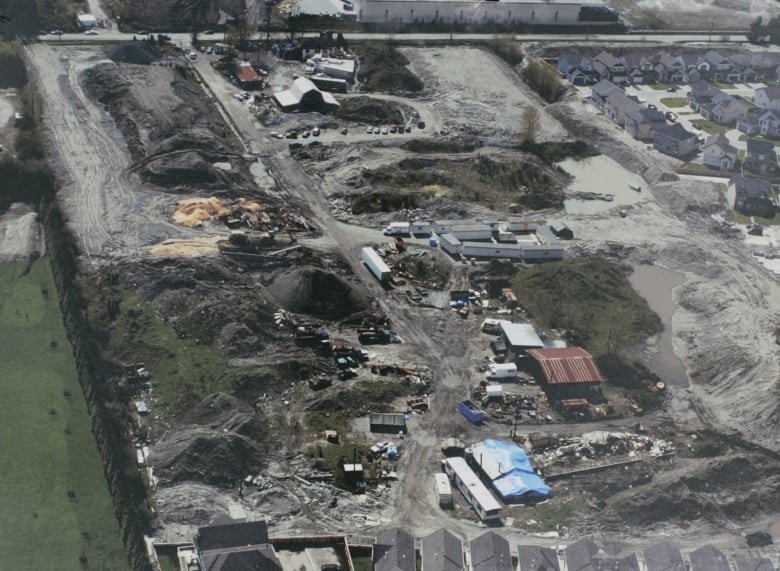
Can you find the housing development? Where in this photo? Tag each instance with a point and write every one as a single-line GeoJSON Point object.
{"type": "Point", "coordinates": [392, 285]}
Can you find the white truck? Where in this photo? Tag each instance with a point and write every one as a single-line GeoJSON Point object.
{"type": "Point", "coordinates": [397, 229]}
{"type": "Point", "coordinates": [375, 264]}
{"type": "Point", "coordinates": [502, 372]}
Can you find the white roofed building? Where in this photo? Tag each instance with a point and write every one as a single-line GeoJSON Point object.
{"type": "Point", "coordinates": [518, 337]}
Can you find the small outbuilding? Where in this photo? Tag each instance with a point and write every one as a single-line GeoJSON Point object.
{"type": "Point", "coordinates": [387, 422]}
{"type": "Point", "coordinates": [561, 231]}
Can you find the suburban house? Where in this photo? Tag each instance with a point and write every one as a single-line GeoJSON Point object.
{"type": "Point", "coordinates": [748, 124]}
{"type": "Point", "coordinates": [720, 68]}
{"type": "Point", "coordinates": [600, 92]}
{"type": "Point", "coordinates": [701, 93]}
{"type": "Point", "coordinates": [227, 544]}
{"type": "Point", "coordinates": [768, 122]}
{"type": "Point", "coordinates": [674, 140]}
{"type": "Point", "coordinates": [760, 157]}
{"type": "Point", "coordinates": [394, 551]}
{"type": "Point", "coordinates": [535, 558]}
{"type": "Point", "coordinates": [753, 196]}
{"type": "Point", "coordinates": [618, 105]}
{"type": "Point", "coordinates": [718, 153]}
{"type": "Point", "coordinates": [726, 109]}
{"type": "Point", "coordinates": [670, 69]}
{"type": "Point", "coordinates": [610, 67]}
{"type": "Point", "coordinates": [490, 552]}
{"type": "Point", "coordinates": [640, 122]}
{"type": "Point", "coordinates": [768, 98]}
{"type": "Point", "coordinates": [577, 69]}
{"type": "Point", "coordinates": [442, 551]}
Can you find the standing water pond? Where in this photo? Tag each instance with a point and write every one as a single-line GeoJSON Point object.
{"type": "Point", "coordinates": [602, 176]}
{"type": "Point", "coordinates": [656, 285]}
{"type": "Point", "coordinates": [55, 509]}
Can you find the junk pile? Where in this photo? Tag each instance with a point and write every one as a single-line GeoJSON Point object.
{"type": "Point", "coordinates": [594, 448]}
{"type": "Point", "coordinates": [507, 408]}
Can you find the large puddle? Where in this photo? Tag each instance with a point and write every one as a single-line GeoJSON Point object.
{"type": "Point", "coordinates": [55, 508]}
{"type": "Point", "coordinates": [602, 176]}
{"type": "Point", "coordinates": [656, 285]}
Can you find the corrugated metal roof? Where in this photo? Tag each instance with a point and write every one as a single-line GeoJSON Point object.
{"type": "Point", "coordinates": [567, 365]}
{"type": "Point", "coordinates": [245, 72]}
{"type": "Point", "coordinates": [521, 335]}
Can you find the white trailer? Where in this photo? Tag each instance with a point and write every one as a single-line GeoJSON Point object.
{"type": "Point", "coordinates": [472, 232]}
{"type": "Point", "coordinates": [492, 326]}
{"type": "Point", "coordinates": [443, 489]}
{"type": "Point", "coordinates": [502, 372]}
{"type": "Point", "coordinates": [397, 229]}
{"type": "Point", "coordinates": [524, 224]}
{"type": "Point", "coordinates": [450, 244]}
{"type": "Point", "coordinates": [376, 264]}
{"type": "Point", "coordinates": [472, 488]}
{"type": "Point", "coordinates": [420, 227]}
{"type": "Point", "coordinates": [507, 237]}
{"type": "Point", "coordinates": [491, 250]}
{"type": "Point", "coordinates": [445, 226]}
{"type": "Point", "coordinates": [539, 252]}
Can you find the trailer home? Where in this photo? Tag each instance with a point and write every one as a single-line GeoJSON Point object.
{"type": "Point", "coordinates": [450, 244]}
{"type": "Point", "coordinates": [491, 250]}
{"type": "Point", "coordinates": [472, 232]}
{"type": "Point", "coordinates": [472, 488]}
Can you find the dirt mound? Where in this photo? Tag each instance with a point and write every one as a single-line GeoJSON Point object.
{"type": "Point", "coordinates": [134, 52]}
{"type": "Point", "coordinates": [318, 293]}
{"type": "Point", "coordinates": [384, 69]}
{"type": "Point", "coordinates": [187, 170]}
{"type": "Point", "coordinates": [178, 14]}
{"type": "Point", "coordinates": [368, 110]}
{"type": "Point", "coordinates": [732, 488]}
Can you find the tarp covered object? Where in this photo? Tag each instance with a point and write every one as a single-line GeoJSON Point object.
{"type": "Point", "coordinates": [509, 469]}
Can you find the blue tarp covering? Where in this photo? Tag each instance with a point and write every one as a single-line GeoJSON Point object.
{"type": "Point", "coordinates": [510, 470]}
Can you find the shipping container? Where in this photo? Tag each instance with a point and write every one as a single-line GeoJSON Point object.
{"type": "Point", "coordinates": [421, 227]}
{"type": "Point", "coordinates": [472, 412]}
{"type": "Point", "coordinates": [376, 264]}
{"type": "Point", "coordinates": [397, 229]}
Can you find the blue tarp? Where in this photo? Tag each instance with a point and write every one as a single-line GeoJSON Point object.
{"type": "Point", "coordinates": [510, 470]}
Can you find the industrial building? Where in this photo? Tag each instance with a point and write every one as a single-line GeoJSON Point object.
{"type": "Point", "coordinates": [507, 467]}
{"type": "Point", "coordinates": [569, 371]}
{"type": "Point", "coordinates": [475, 12]}
{"type": "Point", "coordinates": [518, 338]}
{"type": "Point", "coordinates": [490, 552]}
{"type": "Point", "coordinates": [442, 551]}
{"type": "Point", "coordinates": [304, 95]}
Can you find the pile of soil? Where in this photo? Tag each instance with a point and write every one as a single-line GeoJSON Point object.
{"type": "Point", "coordinates": [368, 110]}
{"type": "Point", "coordinates": [180, 15]}
{"type": "Point", "coordinates": [384, 69]}
{"type": "Point", "coordinates": [318, 293]}
{"type": "Point", "coordinates": [139, 53]}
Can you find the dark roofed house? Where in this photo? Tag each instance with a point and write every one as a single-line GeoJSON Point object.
{"type": "Point", "coordinates": [227, 545]}
{"type": "Point", "coordinates": [600, 92]}
{"type": "Point", "coordinates": [561, 231]}
{"type": "Point", "coordinates": [579, 555]}
{"type": "Point", "coordinates": [746, 563]}
{"type": "Point", "coordinates": [394, 551]}
{"type": "Point", "coordinates": [674, 140]}
{"type": "Point", "coordinates": [490, 552]}
{"type": "Point", "coordinates": [442, 551]}
{"type": "Point", "coordinates": [605, 562]}
{"type": "Point", "coordinates": [640, 123]}
{"type": "Point", "coordinates": [708, 558]}
{"type": "Point", "coordinates": [535, 558]}
{"type": "Point", "coordinates": [760, 157]}
{"type": "Point", "coordinates": [664, 556]}
{"type": "Point", "coordinates": [753, 196]}
{"type": "Point", "coordinates": [618, 105]}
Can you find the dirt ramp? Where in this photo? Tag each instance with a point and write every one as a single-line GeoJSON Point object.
{"type": "Point", "coordinates": [134, 52]}
{"type": "Point", "coordinates": [318, 293]}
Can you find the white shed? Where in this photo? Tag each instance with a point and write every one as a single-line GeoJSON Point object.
{"type": "Point", "coordinates": [443, 489]}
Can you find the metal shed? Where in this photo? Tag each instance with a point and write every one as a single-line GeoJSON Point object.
{"type": "Point", "coordinates": [387, 422]}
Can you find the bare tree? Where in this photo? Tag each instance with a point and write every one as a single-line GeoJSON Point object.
{"type": "Point", "coordinates": [529, 125]}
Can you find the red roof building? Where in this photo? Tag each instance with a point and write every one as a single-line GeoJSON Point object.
{"type": "Point", "coordinates": [568, 365]}
{"type": "Point", "coordinates": [247, 77]}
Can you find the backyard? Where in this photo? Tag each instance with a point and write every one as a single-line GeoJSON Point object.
{"type": "Point", "coordinates": [55, 509]}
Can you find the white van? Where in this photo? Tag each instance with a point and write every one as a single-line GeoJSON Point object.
{"type": "Point", "coordinates": [502, 372]}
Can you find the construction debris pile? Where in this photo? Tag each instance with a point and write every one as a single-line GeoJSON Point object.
{"type": "Point", "coordinates": [506, 408]}
{"type": "Point", "coordinates": [594, 448]}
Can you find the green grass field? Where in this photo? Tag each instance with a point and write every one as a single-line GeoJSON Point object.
{"type": "Point", "coordinates": [674, 102]}
{"type": "Point", "coordinates": [709, 126]}
{"type": "Point", "coordinates": [55, 509]}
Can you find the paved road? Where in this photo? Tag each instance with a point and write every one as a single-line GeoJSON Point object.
{"type": "Point", "coordinates": [184, 38]}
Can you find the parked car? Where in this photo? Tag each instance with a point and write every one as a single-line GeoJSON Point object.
{"type": "Point", "coordinates": [393, 129]}
{"type": "Point", "coordinates": [369, 130]}
{"type": "Point", "coordinates": [344, 130]}
{"type": "Point", "coordinates": [291, 135]}
{"type": "Point", "coordinates": [208, 32]}
{"type": "Point", "coordinates": [296, 145]}
{"type": "Point", "coordinates": [315, 143]}
{"type": "Point", "coordinates": [56, 32]}
{"type": "Point", "coordinates": [315, 132]}
{"type": "Point", "coordinates": [671, 117]}
{"type": "Point", "coordinates": [91, 33]}
{"type": "Point", "coordinates": [652, 107]}
{"type": "Point", "coordinates": [384, 130]}
{"type": "Point", "coordinates": [376, 130]}
{"type": "Point", "coordinates": [672, 89]}
{"type": "Point", "coordinates": [421, 124]}
{"type": "Point", "coordinates": [209, 50]}
{"type": "Point", "coordinates": [305, 134]}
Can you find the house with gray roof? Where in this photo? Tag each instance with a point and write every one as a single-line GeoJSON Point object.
{"type": "Point", "coordinates": [747, 563]}
{"type": "Point", "coordinates": [760, 157]}
{"type": "Point", "coordinates": [600, 92]}
{"type": "Point", "coordinates": [535, 558]}
{"type": "Point", "coordinates": [394, 551]}
{"type": "Point", "coordinates": [768, 97]}
{"type": "Point", "coordinates": [718, 153]}
{"type": "Point", "coordinates": [579, 555]}
{"type": "Point", "coordinates": [490, 552]}
{"type": "Point", "coordinates": [618, 105]}
{"type": "Point", "coordinates": [228, 545]}
{"type": "Point", "coordinates": [753, 196]}
{"type": "Point", "coordinates": [768, 123]}
{"type": "Point", "coordinates": [674, 140]}
{"type": "Point", "coordinates": [442, 551]}
{"type": "Point", "coordinates": [709, 558]}
{"type": "Point", "coordinates": [640, 122]}
{"type": "Point", "coordinates": [664, 556]}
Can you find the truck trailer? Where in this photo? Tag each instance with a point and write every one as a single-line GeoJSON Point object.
{"type": "Point", "coordinates": [376, 265]}
{"type": "Point", "coordinates": [502, 372]}
{"type": "Point", "coordinates": [397, 229]}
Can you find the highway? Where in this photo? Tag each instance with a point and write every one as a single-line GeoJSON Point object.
{"type": "Point", "coordinates": [665, 38]}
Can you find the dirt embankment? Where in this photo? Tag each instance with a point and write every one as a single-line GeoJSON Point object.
{"type": "Point", "coordinates": [176, 140]}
